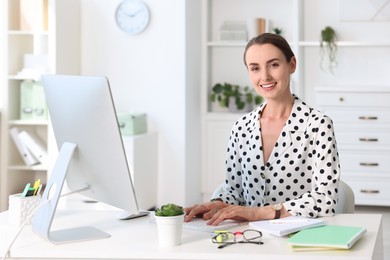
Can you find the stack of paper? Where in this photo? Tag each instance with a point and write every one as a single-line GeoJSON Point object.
{"type": "Point", "coordinates": [285, 226]}
{"type": "Point", "coordinates": [326, 238]}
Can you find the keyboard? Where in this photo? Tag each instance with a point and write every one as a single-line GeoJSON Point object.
{"type": "Point", "coordinates": [200, 224]}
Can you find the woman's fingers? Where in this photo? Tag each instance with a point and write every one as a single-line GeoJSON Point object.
{"type": "Point", "coordinates": [206, 210]}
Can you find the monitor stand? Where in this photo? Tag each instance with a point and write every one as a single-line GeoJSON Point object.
{"type": "Point", "coordinates": [126, 215]}
{"type": "Point", "coordinates": [41, 222]}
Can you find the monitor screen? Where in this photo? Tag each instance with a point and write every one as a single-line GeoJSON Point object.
{"type": "Point", "coordinates": [91, 156]}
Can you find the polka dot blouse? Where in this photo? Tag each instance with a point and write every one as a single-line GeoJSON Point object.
{"type": "Point", "coordinates": [302, 171]}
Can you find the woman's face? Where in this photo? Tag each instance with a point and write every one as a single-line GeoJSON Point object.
{"type": "Point", "coordinates": [269, 71]}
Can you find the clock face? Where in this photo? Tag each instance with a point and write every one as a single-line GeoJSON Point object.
{"type": "Point", "coordinates": [132, 16]}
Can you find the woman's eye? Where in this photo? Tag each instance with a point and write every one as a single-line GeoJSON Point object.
{"type": "Point", "coordinates": [273, 65]}
{"type": "Point", "coordinates": [254, 69]}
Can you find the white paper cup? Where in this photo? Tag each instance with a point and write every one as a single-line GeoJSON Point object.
{"type": "Point", "coordinates": [169, 230]}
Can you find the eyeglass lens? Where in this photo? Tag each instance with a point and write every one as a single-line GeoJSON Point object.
{"type": "Point", "coordinates": [235, 237]}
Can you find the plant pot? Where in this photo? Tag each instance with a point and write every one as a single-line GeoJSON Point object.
{"type": "Point", "coordinates": [233, 107]}
{"type": "Point", "coordinates": [217, 108]}
{"type": "Point", "coordinates": [169, 230]}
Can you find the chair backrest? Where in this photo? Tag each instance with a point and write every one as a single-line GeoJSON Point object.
{"type": "Point", "coordinates": [346, 198]}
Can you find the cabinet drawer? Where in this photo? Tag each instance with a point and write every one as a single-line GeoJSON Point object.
{"type": "Point", "coordinates": [352, 99]}
{"type": "Point", "coordinates": [370, 192]}
{"type": "Point", "coordinates": [365, 162]}
{"type": "Point", "coordinates": [362, 138]}
{"type": "Point", "coordinates": [365, 117]}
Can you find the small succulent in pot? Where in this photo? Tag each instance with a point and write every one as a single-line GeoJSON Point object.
{"type": "Point", "coordinates": [169, 210]}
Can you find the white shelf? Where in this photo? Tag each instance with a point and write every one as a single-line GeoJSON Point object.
{"type": "Point", "coordinates": [232, 44]}
{"type": "Point", "coordinates": [31, 33]}
{"type": "Point", "coordinates": [346, 44]}
{"type": "Point", "coordinates": [222, 116]}
{"type": "Point", "coordinates": [16, 77]}
{"type": "Point", "coordinates": [27, 168]}
{"type": "Point", "coordinates": [226, 44]}
{"type": "Point", "coordinates": [28, 122]}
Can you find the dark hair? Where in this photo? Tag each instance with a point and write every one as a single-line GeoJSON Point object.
{"type": "Point", "coordinates": [274, 39]}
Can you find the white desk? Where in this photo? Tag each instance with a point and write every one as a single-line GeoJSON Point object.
{"type": "Point", "coordinates": [137, 239]}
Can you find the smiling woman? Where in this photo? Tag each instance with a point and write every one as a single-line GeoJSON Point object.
{"type": "Point", "coordinates": [282, 157]}
{"type": "Point", "coordinates": [132, 16]}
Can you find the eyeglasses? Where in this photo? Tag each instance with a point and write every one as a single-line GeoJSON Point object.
{"type": "Point", "coordinates": [249, 236]}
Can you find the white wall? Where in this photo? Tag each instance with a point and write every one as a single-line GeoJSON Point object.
{"type": "Point", "coordinates": [156, 72]}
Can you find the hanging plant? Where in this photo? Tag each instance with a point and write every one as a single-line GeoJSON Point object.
{"type": "Point", "coordinates": [328, 46]}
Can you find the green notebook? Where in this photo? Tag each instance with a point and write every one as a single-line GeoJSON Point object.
{"type": "Point", "coordinates": [326, 237]}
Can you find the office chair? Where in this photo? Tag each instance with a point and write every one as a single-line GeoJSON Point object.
{"type": "Point", "coordinates": [346, 201]}
{"type": "Point", "coordinates": [345, 204]}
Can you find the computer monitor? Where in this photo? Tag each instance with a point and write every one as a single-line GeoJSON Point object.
{"type": "Point", "coordinates": [91, 156]}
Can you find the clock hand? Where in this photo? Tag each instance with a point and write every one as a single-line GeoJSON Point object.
{"type": "Point", "coordinates": [134, 14]}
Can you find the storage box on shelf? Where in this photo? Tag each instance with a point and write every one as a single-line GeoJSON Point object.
{"type": "Point", "coordinates": [361, 116]}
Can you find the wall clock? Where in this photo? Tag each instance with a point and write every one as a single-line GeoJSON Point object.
{"type": "Point", "coordinates": [132, 16]}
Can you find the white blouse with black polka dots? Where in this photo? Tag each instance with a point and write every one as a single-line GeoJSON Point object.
{"type": "Point", "coordinates": [302, 171]}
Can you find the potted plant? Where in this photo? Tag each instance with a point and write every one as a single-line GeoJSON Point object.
{"type": "Point", "coordinates": [169, 210]}
{"type": "Point", "coordinates": [169, 219]}
{"type": "Point", "coordinates": [277, 30]}
{"type": "Point", "coordinates": [328, 45]}
{"type": "Point", "coordinates": [234, 97]}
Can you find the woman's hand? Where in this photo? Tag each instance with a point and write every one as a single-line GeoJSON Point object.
{"type": "Point", "coordinates": [237, 213]}
{"type": "Point", "coordinates": [205, 210]}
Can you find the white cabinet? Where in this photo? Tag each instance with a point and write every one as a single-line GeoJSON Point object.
{"type": "Point", "coordinates": [51, 37]}
{"type": "Point", "coordinates": [141, 152]}
{"type": "Point", "coordinates": [362, 125]}
{"type": "Point", "coordinates": [216, 136]}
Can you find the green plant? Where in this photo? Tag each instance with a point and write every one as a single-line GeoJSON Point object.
{"type": "Point", "coordinates": [278, 30]}
{"type": "Point", "coordinates": [169, 210]}
{"type": "Point", "coordinates": [224, 93]}
{"type": "Point", "coordinates": [328, 45]}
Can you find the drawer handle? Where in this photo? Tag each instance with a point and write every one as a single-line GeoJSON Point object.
{"type": "Point", "coordinates": [368, 139]}
{"type": "Point", "coordinates": [369, 191]}
{"type": "Point", "coordinates": [368, 117]}
{"type": "Point", "coordinates": [341, 99]}
{"type": "Point", "coordinates": [369, 164]}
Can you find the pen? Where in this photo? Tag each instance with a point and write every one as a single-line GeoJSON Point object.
{"type": "Point", "coordinates": [278, 221]}
{"type": "Point", "coordinates": [36, 186]}
{"type": "Point", "coordinates": [39, 189]}
{"type": "Point", "coordinates": [25, 191]}
{"type": "Point", "coordinates": [30, 192]}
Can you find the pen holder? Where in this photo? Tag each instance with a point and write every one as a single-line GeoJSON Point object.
{"type": "Point", "coordinates": [21, 207]}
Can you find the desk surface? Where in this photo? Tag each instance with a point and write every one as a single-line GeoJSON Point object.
{"type": "Point", "coordinates": [137, 239]}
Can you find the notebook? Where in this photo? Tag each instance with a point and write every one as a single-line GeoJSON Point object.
{"type": "Point", "coordinates": [285, 226]}
{"type": "Point", "coordinates": [326, 237]}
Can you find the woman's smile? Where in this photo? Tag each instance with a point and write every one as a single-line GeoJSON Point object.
{"type": "Point", "coordinates": [268, 86]}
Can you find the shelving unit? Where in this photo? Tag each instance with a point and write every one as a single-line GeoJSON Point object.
{"type": "Point", "coordinates": [358, 43]}
{"type": "Point", "coordinates": [14, 173]}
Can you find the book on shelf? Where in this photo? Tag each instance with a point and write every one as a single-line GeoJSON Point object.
{"type": "Point", "coordinates": [25, 153]}
{"type": "Point", "coordinates": [327, 237]}
{"type": "Point", "coordinates": [286, 226]}
{"type": "Point", "coordinates": [35, 145]}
